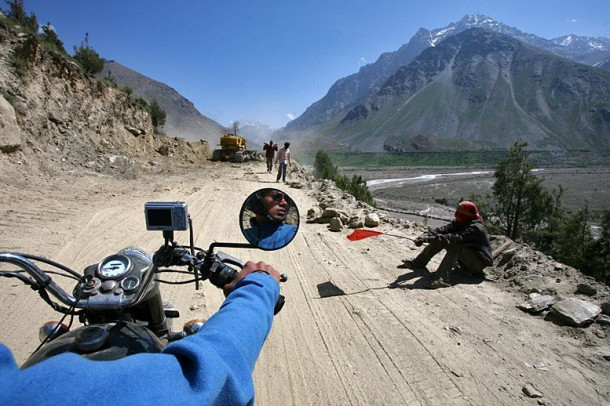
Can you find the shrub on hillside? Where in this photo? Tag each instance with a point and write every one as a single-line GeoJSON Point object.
{"type": "Point", "coordinates": [157, 115]}
{"type": "Point", "coordinates": [16, 12]}
{"type": "Point", "coordinates": [356, 186]}
{"type": "Point", "coordinates": [88, 58]}
{"type": "Point", "coordinates": [50, 39]}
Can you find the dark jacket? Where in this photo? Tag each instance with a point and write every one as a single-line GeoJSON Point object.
{"type": "Point", "coordinates": [472, 235]}
{"type": "Point", "coordinates": [269, 150]}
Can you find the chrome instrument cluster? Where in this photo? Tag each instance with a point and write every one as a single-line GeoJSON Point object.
{"type": "Point", "coordinates": [130, 283]}
{"type": "Point", "coordinates": [114, 267]}
{"type": "Point", "coordinates": [117, 277]}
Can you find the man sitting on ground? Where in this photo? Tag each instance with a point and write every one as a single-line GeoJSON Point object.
{"type": "Point", "coordinates": [465, 240]}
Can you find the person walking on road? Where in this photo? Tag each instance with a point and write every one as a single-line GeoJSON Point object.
{"type": "Point", "coordinates": [465, 240]}
{"type": "Point", "coordinates": [283, 158]}
{"type": "Point", "coordinates": [270, 154]}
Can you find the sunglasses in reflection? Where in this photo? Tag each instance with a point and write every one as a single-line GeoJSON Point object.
{"type": "Point", "coordinates": [277, 196]}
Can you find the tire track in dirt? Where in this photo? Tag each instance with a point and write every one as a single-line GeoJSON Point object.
{"type": "Point", "coordinates": [338, 349]}
{"type": "Point", "coordinates": [351, 303]}
{"type": "Point", "coordinates": [286, 362]}
{"type": "Point", "coordinates": [447, 345]}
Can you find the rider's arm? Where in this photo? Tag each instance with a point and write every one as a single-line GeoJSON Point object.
{"type": "Point", "coordinates": [213, 366]}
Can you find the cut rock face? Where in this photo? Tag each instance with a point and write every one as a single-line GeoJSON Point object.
{"type": "Point", "coordinates": [10, 134]}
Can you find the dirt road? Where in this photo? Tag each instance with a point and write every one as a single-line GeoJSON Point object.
{"type": "Point", "coordinates": [344, 336]}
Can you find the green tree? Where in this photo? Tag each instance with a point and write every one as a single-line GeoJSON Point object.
{"type": "Point", "coordinates": [599, 252]}
{"type": "Point", "coordinates": [359, 189]}
{"type": "Point", "coordinates": [157, 115]}
{"type": "Point", "coordinates": [88, 58]}
{"type": "Point", "coordinates": [544, 237]}
{"type": "Point", "coordinates": [324, 168]}
{"type": "Point", "coordinates": [573, 240]}
{"type": "Point", "coordinates": [17, 12]}
{"type": "Point", "coordinates": [521, 205]}
{"type": "Point", "coordinates": [49, 36]}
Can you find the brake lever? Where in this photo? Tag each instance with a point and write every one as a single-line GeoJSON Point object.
{"type": "Point", "coordinates": [226, 258]}
{"type": "Point", "coordinates": [221, 273]}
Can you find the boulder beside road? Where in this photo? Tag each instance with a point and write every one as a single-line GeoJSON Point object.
{"type": "Point", "coordinates": [576, 312]}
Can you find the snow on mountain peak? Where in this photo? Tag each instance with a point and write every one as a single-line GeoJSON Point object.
{"type": "Point", "coordinates": [597, 45]}
{"type": "Point", "coordinates": [439, 35]}
{"type": "Point", "coordinates": [567, 41]}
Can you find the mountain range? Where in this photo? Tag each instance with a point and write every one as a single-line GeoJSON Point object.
{"type": "Point", "coordinates": [484, 89]}
{"type": "Point", "coordinates": [481, 90]}
{"type": "Point", "coordinates": [330, 123]}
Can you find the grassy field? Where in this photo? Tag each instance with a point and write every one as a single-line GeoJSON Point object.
{"type": "Point", "coordinates": [463, 159]}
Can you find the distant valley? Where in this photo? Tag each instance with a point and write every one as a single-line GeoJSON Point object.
{"type": "Point", "coordinates": [476, 84]}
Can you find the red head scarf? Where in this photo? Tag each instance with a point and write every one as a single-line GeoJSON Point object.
{"type": "Point", "coordinates": [465, 212]}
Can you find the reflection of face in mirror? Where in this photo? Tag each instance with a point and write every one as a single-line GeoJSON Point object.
{"type": "Point", "coordinates": [269, 219]}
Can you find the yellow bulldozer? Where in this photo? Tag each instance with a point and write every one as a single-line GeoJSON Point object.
{"type": "Point", "coordinates": [233, 148]}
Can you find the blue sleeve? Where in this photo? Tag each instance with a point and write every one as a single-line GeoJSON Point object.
{"type": "Point", "coordinates": [211, 367]}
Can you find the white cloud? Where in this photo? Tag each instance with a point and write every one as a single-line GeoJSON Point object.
{"type": "Point", "coordinates": [572, 21]}
{"type": "Point", "coordinates": [362, 61]}
{"type": "Point", "coordinates": [290, 116]}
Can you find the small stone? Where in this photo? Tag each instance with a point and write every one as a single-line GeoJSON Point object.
{"type": "Point", "coordinates": [194, 307]}
{"type": "Point", "coordinates": [457, 373]}
{"type": "Point", "coordinates": [606, 308]}
{"type": "Point", "coordinates": [531, 392]}
{"type": "Point", "coordinates": [603, 320]}
{"type": "Point", "coordinates": [371, 220]}
{"type": "Point", "coordinates": [586, 289]}
{"type": "Point", "coordinates": [541, 367]}
{"type": "Point", "coordinates": [537, 303]}
{"type": "Point", "coordinates": [335, 224]}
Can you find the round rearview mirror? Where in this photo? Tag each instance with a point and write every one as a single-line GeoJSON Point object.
{"type": "Point", "coordinates": [269, 219]}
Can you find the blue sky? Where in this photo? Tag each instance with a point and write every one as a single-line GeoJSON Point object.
{"type": "Point", "coordinates": [267, 61]}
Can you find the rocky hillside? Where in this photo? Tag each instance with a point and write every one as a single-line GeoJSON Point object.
{"type": "Point", "coordinates": [350, 91]}
{"type": "Point", "coordinates": [483, 90]}
{"type": "Point", "coordinates": [183, 119]}
{"type": "Point", "coordinates": [54, 117]}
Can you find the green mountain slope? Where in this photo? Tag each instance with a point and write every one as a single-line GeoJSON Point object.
{"type": "Point", "coordinates": [482, 90]}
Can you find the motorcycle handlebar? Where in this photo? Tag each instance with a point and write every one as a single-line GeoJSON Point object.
{"type": "Point", "coordinates": [39, 276]}
{"type": "Point", "coordinates": [212, 267]}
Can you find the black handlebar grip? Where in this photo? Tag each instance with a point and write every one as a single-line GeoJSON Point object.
{"type": "Point", "coordinates": [279, 304]}
{"type": "Point", "coordinates": [221, 274]}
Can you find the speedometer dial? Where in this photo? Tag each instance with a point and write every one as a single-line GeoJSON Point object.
{"type": "Point", "coordinates": [113, 267]}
